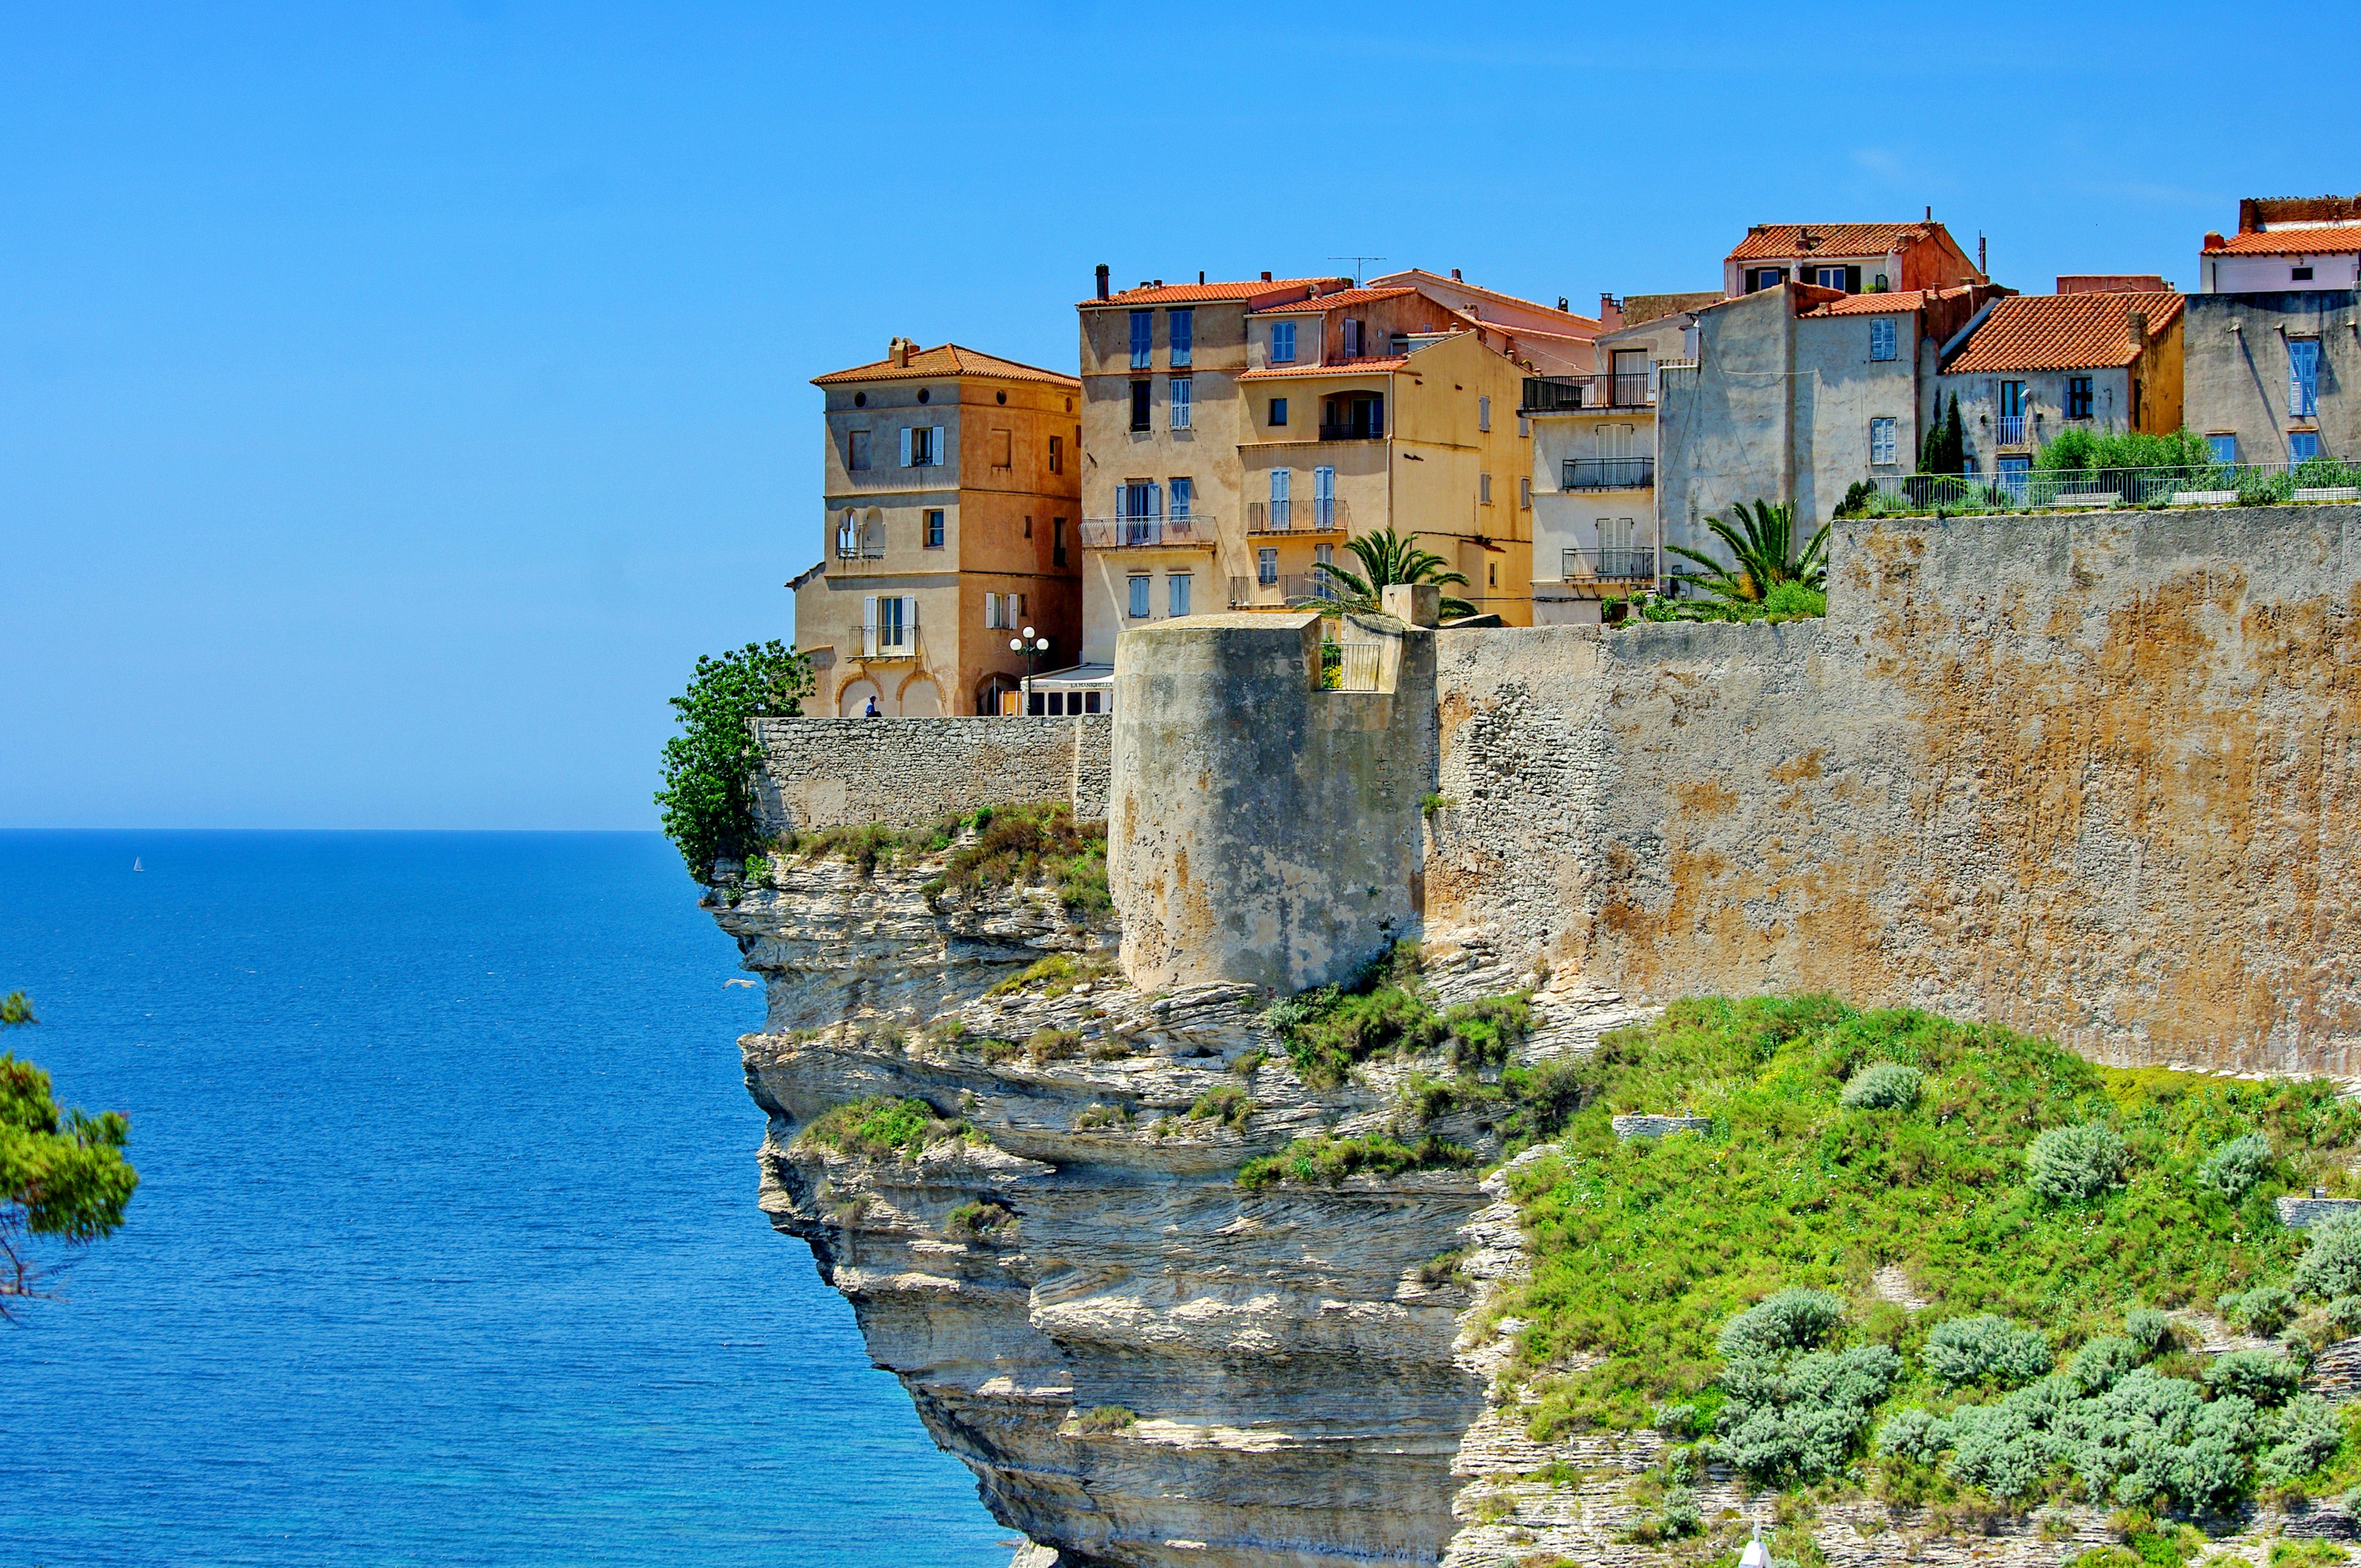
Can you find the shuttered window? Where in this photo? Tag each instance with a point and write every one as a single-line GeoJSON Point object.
{"type": "Point", "coordinates": [2303, 377]}
{"type": "Point", "coordinates": [1143, 336]}
{"type": "Point", "coordinates": [1182, 390]}
{"type": "Point", "coordinates": [1880, 441]}
{"type": "Point", "coordinates": [1880, 337]}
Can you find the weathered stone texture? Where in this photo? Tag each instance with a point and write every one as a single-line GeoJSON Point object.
{"type": "Point", "coordinates": [907, 773]}
{"type": "Point", "coordinates": [2093, 775]}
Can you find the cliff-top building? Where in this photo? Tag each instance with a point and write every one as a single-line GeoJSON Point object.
{"type": "Point", "coordinates": [953, 491]}
{"type": "Point", "coordinates": [1852, 258]}
{"type": "Point", "coordinates": [2031, 366]}
{"type": "Point", "coordinates": [2271, 350]}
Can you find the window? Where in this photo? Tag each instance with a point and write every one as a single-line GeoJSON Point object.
{"type": "Point", "coordinates": [1279, 411]}
{"type": "Point", "coordinates": [1350, 335]}
{"type": "Point", "coordinates": [856, 449]}
{"type": "Point", "coordinates": [1525, 493]}
{"type": "Point", "coordinates": [1491, 574]}
{"type": "Point", "coordinates": [1324, 498]}
{"type": "Point", "coordinates": [1143, 334]}
{"type": "Point", "coordinates": [995, 612]}
{"type": "Point", "coordinates": [1764, 277]}
{"type": "Point", "coordinates": [2304, 446]}
{"type": "Point", "coordinates": [1139, 597]}
{"type": "Point", "coordinates": [2299, 274]}
{"type": "Point", "coordinates": [1179, 403]}
{"type": "Point", "coordinates": [889, 624]}
{"type": "Point", "coordinates": [1057, 455]}
{"type": "Point", "coordinates": [1280, 481]}
{"type": "Point", "coordinates": [1484, 413]}
{"type": "Point", "coordinates": [2222, 448]}
{"type": "Point", "coordinates": [1845, 278]}
{"type": "Point", "coordinates": [1058, 541]}
{"type": "Point", "coordinates": [922, 446]}
{"type": "Point", "coordinates": [1176, 585]}
{"type": "Point", "coordinates": [934, 520]}
{"type": "Point", "coordinates": [848, 538]}
{"type": "Point", "coordinates": [1323, 554]}
{"type": "Point", "coordinates": [1880, 337]}
{"type": "Point", "coordinates": [1181, 334]}
{"type": "Point", "coordinates": [1139, 405]}
{"type": "Point", "coordinates": [2078, 397]}
{"type": "Point", "coordinates": [1267, 566]}
{"type": "Point", "coordinates": [2303, 377]}
{"type": "Point", "coordinates": [1004, 449]}
{"type": "Point", "coordinates": [2012, 399]}
{"type": "Point", "coordinates": [1484, 490]}
{"type": "Point", "coordinates": [1184, 492]}
{"type": "Point", "coordinates": [1880, 441]}
{"type": "Point", "coordinates": [1029, 525]}
{"type": "Point", "coordinates": [1282, 343]}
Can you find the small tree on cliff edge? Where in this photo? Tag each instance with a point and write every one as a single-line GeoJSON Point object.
{"type": "Point", "coordinates": [63, 1174]}
{"type": "Point", "coordinates": [708, 771]}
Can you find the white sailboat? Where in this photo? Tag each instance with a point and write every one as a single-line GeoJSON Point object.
{"type": "Point", "coordinates": [136, 865]}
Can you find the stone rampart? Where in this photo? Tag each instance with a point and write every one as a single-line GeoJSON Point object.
{"type": "Point", "coordinates": [2097, 776]}
{"type": "Point", "coordinates": [905, 773]}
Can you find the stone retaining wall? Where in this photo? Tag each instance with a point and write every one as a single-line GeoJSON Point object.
{"type": "Point", "coordinates": [907, 773]}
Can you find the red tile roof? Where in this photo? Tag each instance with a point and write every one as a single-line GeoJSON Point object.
{"type": "Point", "coordinates": [1258, 290]}
{"type": "Point", "coordinates": [1777, 242]}
{"type": "Point", "coordinates": [949, 359]}
{"type": "Point", "coordinates": [2061, 332]}
{"type": "Point", "coordinates": [1329, 301]}
{"type": "Point", "coordinates": [1333, 368]}
{"type": "Point", "coordinates": [2286, 242]}
{"type": "Point", "coordinates": [1892, 303]}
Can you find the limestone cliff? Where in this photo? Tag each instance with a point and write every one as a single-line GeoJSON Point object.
{"type": "Point", "coordinates": [1299, 1389]}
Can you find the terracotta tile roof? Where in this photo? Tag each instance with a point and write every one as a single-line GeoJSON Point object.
{"type": "Point", "coordinates": [1891, 303]}
{"type": "Point", "coordinates": [1581, 328]}
{"type": "Point", "coordinates": [949, 359]}
{"type": "Point", "coordinates": [1777, 242]}
{"type": "Point", "coordinates": [1333, 368]}
{"type": "Point", "coordinates": [2286, 242]}
{"type": "Point", "coordinates": [1257, 290]}
{"type": "Point", "coordinates": [2061, 332]}
{"type": "Point", "coordinates": [1330, 301]}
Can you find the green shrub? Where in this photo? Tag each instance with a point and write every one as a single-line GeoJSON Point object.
{"type": "Point", "coordinates": [1881, 1085]}
{"type": "Point", "coordinates": [1226, 1103]}
{"type": "Point", "coordinates": [1055, 974]}
{"type": "Point", "coordinates": [880, 1127]}
{"type": "Point", "coordinates": [2257, 1374]}
{"type": "Point", "coordinates": [1679, 1515]}
{"type": "Point", "coordinates": [977, 1221]}
{"type": "Point", "coordinates": [2265, 1310]}
{"type": "Point", "coordinates": [1020, 845]}
{"type": "Point", "coordinates": [1914, 1434]}
{"type": "Point", "coordinates": [1097, 1116]}
{"type": "Point", "coordinates": [2305, 1437]}
{"type": "Point", "coordinates": [1100, 1420]}
{"type": "Point", "coordinates": [2102, 1361]}
{"type": "Point", "coordinates": [1049, 1045]}
{"type": "Point", "coordinates": [995, 1051]}
{"type": "Point", "coordinates": [2238, 1165]}
{"type": "Point", "coordinates": [1985, 1349]}
{"type": "Point", "coordinates": [2343, 1314]}
{"type": "Point", "coordinates": [1324, 1161]}
{"type": "Point", "coordinates": [1443, 1269]}
{"type": "Point", "coordinates": [708, 769]}
{"type": "Point", "coordinates": [1484, 1032]}
{"type": "Point", "coordinates": [2071, 1164]}
{"type": "Point", "coordinates": [2331, 1265]}
{"type": "Point", "coordinates": [1793, 1419]}
{"type": "Point", "coordinates": [1789, 1320]}
{"type": "Point", "coordinates": [1675, 1421]}
{"type": "Point", "coordinates": [2148, 1328]}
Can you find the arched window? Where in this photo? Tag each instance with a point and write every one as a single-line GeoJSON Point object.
{"type": "Point", "coordinates": [848, 537]}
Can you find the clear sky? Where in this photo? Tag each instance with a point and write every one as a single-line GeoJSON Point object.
{"type": "Point", "coordinates": [395, 400]}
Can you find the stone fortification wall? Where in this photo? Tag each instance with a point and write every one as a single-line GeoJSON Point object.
{"type": "Point", "coordinates": [905, 772]}
{"type": "Point", "coordinates": [1261, 829]}
{"type": "Point", "coordinates": [2093, 775]}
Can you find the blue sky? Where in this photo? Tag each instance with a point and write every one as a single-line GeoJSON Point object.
{"type": "Point", "coordinates": [394, 401]}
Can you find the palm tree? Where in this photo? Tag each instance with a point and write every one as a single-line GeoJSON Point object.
{"type": "Point", "coordinates": [1387, 558]}
{"type": "Point", "coordinates": [1762, 544]}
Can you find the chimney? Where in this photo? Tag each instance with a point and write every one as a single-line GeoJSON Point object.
{"type": "Point", "coordinates": [2139, 330]}
{"type": "Point", "coordinates": [1610, 311]}
{"type": "Point", "coordinates": [1102, 279]}
{"type": "Point", "coordinates": [1930, 211]}
{"type": "Point", "coordinates": [1454, 275]}
{"type": "Point", "coordinates": [1201, 275]}
{"type": "Point", "coordinates": [1266, 277]}
{"type": "Point", "coordinates": [898, 351]}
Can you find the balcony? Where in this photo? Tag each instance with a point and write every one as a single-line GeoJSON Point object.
{"type": "Point", "coordinates": [1354, 430]}
{"type": "Point", "coordinates": [1561, 394]}
{"type": "Point", "coordinates": [1314, 516]}
{"type": "Point", "coordinates": [1611, 565]}
{"type": "Point", "coordinates": [1608, 474]}
{"type": "Point", "coordinates": [2008, 430]}
{"type": "Point", "coordinates": [1283, 590]}
{"type": "Point", "coordinates": [1145, 533]}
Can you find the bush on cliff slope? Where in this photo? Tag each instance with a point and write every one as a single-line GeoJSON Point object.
{"type": "Point", "coordinates": [709, 770]}
{"type": "Point", "coordinates": [1645, 1249]}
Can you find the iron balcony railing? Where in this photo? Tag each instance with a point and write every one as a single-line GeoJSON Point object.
{"type": "Point", "coordinates": [1618, 565]}
{"type": "Point", "coordinates": [1138, 533]}
{"type": "Point", "coordinates": [1354, 430]}
{"type": "Point", "coordinates": [1279, 589]}
{"type": "Point", "coordinates": [1608, 474]}
{"type": "Point", "coordinates": [1560, 394]}
{"type": "Point", "coordinates": [1317, 515]}
{"type": "Point", "coordinates": [2008, 430]}
{"type": "Point", "coordinates": [2175, 485]}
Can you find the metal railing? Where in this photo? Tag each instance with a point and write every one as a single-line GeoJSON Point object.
{"type": "Point", "coordinates": [1557, 394]}
{"type": "Point", "coordinates": [1286, 588]}
{"type": "Point", "coordinates": [2177, 485]}
{"type": "Point", "coordinates": [1317, 515]}
{"type": "Point", "coordinates": [1608, 474]}
{"type": "Point", "coordinates": [1137, 532]}
{"type": "Point", "coordinates": [2008, 430]}
{"type": "Point", "coordinates": [1617, 566]}
{"type": "Point", "coordinates": [1354, 430]}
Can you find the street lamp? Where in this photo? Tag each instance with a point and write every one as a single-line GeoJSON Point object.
{"type": "Point", "coordinates": [1032, 647]}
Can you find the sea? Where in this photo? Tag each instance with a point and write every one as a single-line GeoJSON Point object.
{"type": "Point", "coordinates": [446, 1249]}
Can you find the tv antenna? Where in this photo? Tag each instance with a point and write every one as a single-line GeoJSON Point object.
{"type": "Point", "coordinates": [1357, 267]}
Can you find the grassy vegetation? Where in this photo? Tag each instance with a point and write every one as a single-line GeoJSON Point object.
{"type": "Point", "coordinates": [880, 1127]}
{"type": "Point", "coordinates": [1024, 844]}
{"type": "Point", "coordinates": [1057, 974]}
{"type": "Point", "coordinates": [1330, 1031]}
{"type": "Point", "coordinates": [868, 846]}
{"type": "Point", "coordinates": [1723, 1279]}
{"type": "Point", "coordinates": [979, 1221]}
{"type": "Point", "coordinates": [1101, 1419]}
{"type": "Point", "coordinates": [1227, 1103]}
{"type": "Point", "coordinates": [1324, 1161]}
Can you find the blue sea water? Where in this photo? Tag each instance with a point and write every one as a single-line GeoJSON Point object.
{"type": "Point", "coordinates": [446, 1249]}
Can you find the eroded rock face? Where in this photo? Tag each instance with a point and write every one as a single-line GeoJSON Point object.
{"type": "Point", "coordinates": [1300, 1392]}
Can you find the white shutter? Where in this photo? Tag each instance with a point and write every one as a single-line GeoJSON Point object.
{"type": "Point", "coordinates": [906, 446]}
{"type": "Point", "coordinates": [909, 622]}
{"type": "Point", "coordinates": [869, 619]}
{"type": "Point", "coordinates": [935, 445]}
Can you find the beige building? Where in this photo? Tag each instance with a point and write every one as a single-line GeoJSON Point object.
{"type": "Point", "coordinates": [953, 498]}
{"type": "Point", "coordinates": [1235, 435]}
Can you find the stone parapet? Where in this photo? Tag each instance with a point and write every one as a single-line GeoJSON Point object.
{"type": "Point", "coordinates": [908, 773]}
